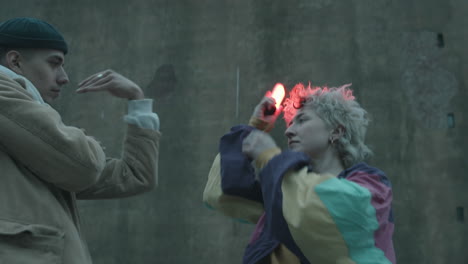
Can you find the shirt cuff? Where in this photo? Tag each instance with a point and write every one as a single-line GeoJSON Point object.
{"type": "Point", "coordinates": [143, 106]}
{"type": "Point", "coordinates": [140, 113]}
{"type": "Point", "coordinates": [260, 124]}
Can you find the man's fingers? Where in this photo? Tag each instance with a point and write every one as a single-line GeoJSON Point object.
{"type": "Point", "coordinates": [93, 78]}
{"type": "Point", "coordinates": [88, 80]}
{"type": "Point", "coordinates": [94, 88]}
{"type": "Point", "coordinates": [100, 81]}
{"type": "Point", "coordinates": [97, 82]}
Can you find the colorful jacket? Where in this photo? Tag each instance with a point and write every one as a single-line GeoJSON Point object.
{"type": "Point", "coordinates": [302, 216]}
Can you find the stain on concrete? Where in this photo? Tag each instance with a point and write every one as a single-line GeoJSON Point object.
{"type": "Point", "coordinates": [427, 85]}
{"type": "Point", "coordinates": [163, 83]}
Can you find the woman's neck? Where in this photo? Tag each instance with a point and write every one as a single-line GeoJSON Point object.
{"type": "Point", "coordinates": [327, 162]}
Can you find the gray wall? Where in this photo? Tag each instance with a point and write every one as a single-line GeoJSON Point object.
{"type": "Point", "coordinates": [186, 55]}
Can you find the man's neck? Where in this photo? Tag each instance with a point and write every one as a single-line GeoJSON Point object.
{"type": "Point", "coordinates": [328, 162]}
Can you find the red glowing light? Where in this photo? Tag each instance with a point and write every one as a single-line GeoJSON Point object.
{"type": "Point", "coordinates": [300, 93]}
{"type": "Point", "coordinates": [278, 94]}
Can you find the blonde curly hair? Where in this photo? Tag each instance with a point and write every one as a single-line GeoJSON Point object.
{"type": "Point", "coordinates": [337, 107]}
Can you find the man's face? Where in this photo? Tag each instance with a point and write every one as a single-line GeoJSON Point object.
{"type": "Point", "coordinates": [308, 133]}
{"type": "Point", "coordinates": [44, 68]}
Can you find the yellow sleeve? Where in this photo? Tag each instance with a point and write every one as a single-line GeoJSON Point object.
{"type": "Point", "coordinates": [232, 206]}
{"type": "Point", "coordinates": [266, 156]}
{"type": "Point", "coordinates": [260, 124]}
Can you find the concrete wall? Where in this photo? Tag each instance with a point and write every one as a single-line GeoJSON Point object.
{"type": "Point", "coordinates": [406, 60]}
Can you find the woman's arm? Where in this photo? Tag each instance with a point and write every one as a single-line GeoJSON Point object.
{"type": "Point", "coordinates": [233, 206]}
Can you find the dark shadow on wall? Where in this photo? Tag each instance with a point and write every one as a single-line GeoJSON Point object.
{"type": "Point", "coordinates": [163, 83]}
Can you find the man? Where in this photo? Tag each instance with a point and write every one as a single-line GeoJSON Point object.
{"type": "Point", "coordinates": [46, 165]}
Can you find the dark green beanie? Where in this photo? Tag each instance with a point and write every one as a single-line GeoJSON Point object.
{"type": "Point", "coordinates": [26, 32]}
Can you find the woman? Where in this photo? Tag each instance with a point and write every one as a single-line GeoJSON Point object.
{"type": "Point", "coordinates": [317, 202]}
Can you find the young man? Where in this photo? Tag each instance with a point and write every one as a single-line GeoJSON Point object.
{"type": "Point", "coordinates": [46, 165]}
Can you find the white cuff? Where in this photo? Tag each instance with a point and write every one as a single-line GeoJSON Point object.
{"type": "Point", "coordinates": [140, 113]}
{"type": "Point", "coordinates": [143, 106]}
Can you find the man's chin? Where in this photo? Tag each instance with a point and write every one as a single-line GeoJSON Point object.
{"type": "Point", "coordinates": [48, 100]}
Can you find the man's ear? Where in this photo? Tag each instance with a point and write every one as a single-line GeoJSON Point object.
{"type": "Point", "coordinates": [13, 61]}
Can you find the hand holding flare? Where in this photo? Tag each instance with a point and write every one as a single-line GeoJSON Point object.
{"type": "Point", "coordinates": [269, 108]}
{"type": "Point", "coordinates": [278, 94]}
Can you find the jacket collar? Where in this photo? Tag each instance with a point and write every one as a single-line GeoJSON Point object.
{"type": "Point", "coordinates": [29, 86]}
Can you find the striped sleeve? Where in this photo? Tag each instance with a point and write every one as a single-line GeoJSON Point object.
{"type": "Point", "coordinates": [233, 206]}
{"type": "Point", "coordinates": [232, 187]}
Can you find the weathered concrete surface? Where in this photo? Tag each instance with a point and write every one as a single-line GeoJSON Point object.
{"type": "Point", "coordinates": [186, 55]}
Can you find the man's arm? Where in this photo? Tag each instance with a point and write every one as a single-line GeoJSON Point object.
{"type": "Point", "coordinates": [34, 135]}
{"type": "Point", "coordinates": [137, 170]}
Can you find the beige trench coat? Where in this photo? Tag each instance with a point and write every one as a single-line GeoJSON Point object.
{"type": "Point", "coordinates": [45, 166]}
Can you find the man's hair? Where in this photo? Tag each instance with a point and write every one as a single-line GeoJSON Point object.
{"type": "Point", "coordinates": [337, 107]}
{"type": "Point", "coordinates": [26, 53]}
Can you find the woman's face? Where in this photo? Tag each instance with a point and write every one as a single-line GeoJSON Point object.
{"type": "Point", "coordinates": [308, 133]}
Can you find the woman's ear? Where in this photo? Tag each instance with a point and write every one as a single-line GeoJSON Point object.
{"type": "Point", "coordinates": [337, 133]}
{"type": "Point", "coordinates": [13, 61]}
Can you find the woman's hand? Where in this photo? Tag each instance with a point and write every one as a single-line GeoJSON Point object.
{"type": "Point", "coordinates": [260, 110]}
{"type": "Point", "coordinates": [256, 143]}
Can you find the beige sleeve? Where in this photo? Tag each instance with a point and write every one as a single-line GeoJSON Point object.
{"type": "Point", "coordinates": [232, 206]}
{"type": "Point", "coordinates": [34, 135]}
{"type": "Point", "coordinates": [260, 124]}
{"type": "Point", "coordinates": [135, 172]}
